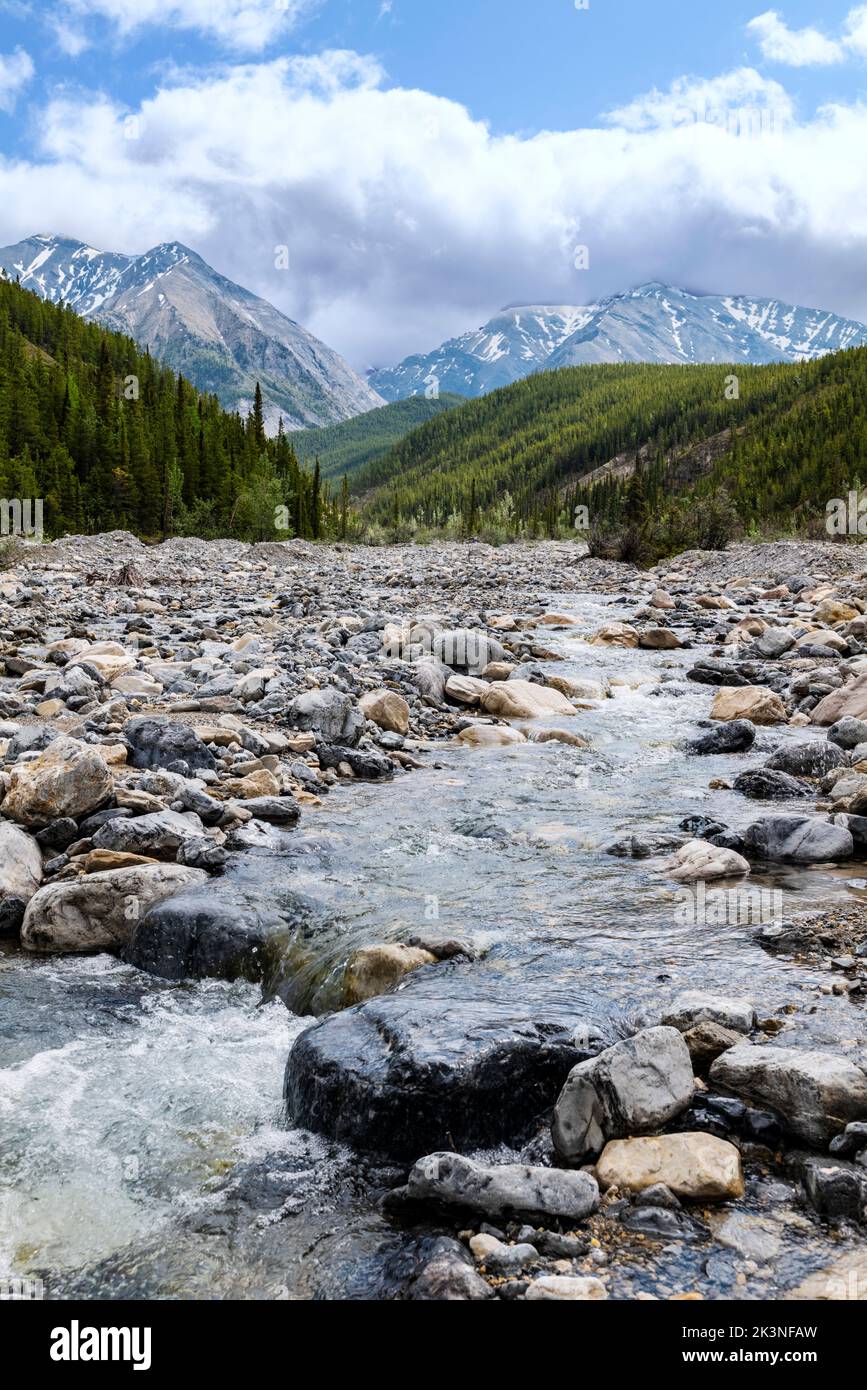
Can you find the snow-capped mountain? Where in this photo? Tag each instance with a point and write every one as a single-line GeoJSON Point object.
{"type": "Point", "coordinates": [654, 323]}
{"type": "Point", "coordinates": [223, 338]}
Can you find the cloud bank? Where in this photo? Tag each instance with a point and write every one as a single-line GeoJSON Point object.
{"type": "Point", "coordinates": [407, 221]}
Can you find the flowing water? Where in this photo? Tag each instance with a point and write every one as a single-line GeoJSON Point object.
{"type": "Point", "coordinates": [143, 1148]}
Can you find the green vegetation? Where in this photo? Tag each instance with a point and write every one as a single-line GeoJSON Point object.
{"type": "Point", "coordinates": [343, 449]}
{"type": "Point", "coordinates": [695, 460]}
{"type": "Point", "coordinates": [112, 440]}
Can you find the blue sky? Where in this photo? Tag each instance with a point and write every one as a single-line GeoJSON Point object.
{"type": "Point", "coordinates": [398, 149]}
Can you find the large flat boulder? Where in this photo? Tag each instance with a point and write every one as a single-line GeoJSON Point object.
{"type": "Point", "coordinates": [99, 911]}
{"type": "Point", "coordinates": [524, 700]}
{"type": "Point", "coordinates": [798, 840]}
{"type": "Point", "coordinates": [697, 1166]}
{"type": "Point", "coordinates": [756, 703]}
{"type": "Point", "coordinates": [445, 1063]}
{"type": "Point", "coordinates": [815, 1094]}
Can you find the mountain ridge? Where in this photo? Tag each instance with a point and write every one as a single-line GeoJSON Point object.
{"type": "Point", "coordinates": [220, 335]}
{"type": "Point", "coordinates": [654, 322]}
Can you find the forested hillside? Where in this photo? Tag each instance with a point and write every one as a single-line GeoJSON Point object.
{"type": "Point", "coordinates": [771, 444]}
{"type": "Point", "coordinates": [353, 444]}
{"type": "Point", "coordinates": [110, 439]}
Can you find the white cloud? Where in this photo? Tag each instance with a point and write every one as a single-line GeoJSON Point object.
{"type": "Point", "coordinates": [725, 101]}
{"type": "Point", "coordinates": [808, 47]}
{"type": "Point", "coordinates": [249, 25]}
{"type": "Point", "coordinates": [16, 70]}
{"type": "Point", "coordinates": [856, 31]}
{"type": "Point", "coordinates": [408, 221]}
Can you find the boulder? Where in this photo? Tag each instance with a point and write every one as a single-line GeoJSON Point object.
{"type": "Point", "coordinates": [848, 733]}
{"type": "Point", "coordinates": [159, 835]}
{"type": "Point", "coordinates": [68, 779]}
{"type": "Point", "coordinates": [20, 863]}
{"type": "Point", "coordinates": [467, 650]}
{"type": "Point", "coordinates": [490, 735]}
{"type": "Point", "coordinates": [634, 1087]}
{"type": "Point", "coordinates": [387, 709]}
{"type": "Point", "coordinates": [241, 930]}
{"type": "Point", "coordinates": [707, 1041]}
{"type": "Point", "coordinates": [831, 611]}
{"type": "Point", "coordinates": [807, 759]}
{"type": "Point", "coordinates": [763, 784]}
{"type": "Point", "coordinates": [467, 690]}
{"type": "Point", "coordinates": [798, 840]}
{"type": "Point", "coordinates": [849, 702]}
{"type": "Point", "coordinates": [100, 911]}
{"type": "Point", "coordinates": [329, 713]}
{"type": "Point", "coordinates": [524, 700]}
{"type": "Point", "coordinates": [736, 736]}
{"type": "Point", "coordinates": [161, 742]}
{"type": "Point", "coordinates": [753, 702]}
{"type": "Point", "coordinates": [448, 1277]}
{"type": "Point", "coordinates": [697, 1166]}
{"type": "Point", "coordinates": [369, 764]}
{"type": "Point", "coordinates": [699, 860]}
{"type": "Point", "coordinates": [695, 1007]}
{"type": "Point", "coordinates": [660, 639]}
{"type": "Point", "coordinates": [374, 970]}
{"type": "Point", "coordinates": [444, 1062]}
{"type": "Point", "coordinates": [815, 1094]}
{"type": "Point", "coordinates": [513, 1189]}
{"type": "Point", "coordinates": [615, 635]}
{"type": "Point", "coordinates": [774, 642]}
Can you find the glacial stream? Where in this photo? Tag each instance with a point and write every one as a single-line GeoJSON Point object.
{"type": "Point", "coordinates": [143, 1146]}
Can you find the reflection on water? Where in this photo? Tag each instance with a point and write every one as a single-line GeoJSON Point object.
{"type": "Point", "coordinates": [133, 1112]}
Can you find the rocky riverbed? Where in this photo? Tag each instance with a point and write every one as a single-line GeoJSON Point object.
{"type": "Point", "coordinates": [433, 923]}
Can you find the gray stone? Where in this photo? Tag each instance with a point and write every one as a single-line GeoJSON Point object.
{"type": "Point", "coordinates": [634, 1087]}
{"type": "Point", "coordinates": [161, 742]}
{"type": "Point", "coordinates": [814, 1094]}
{"type": "Point", "coordinates": [507, 1190]}
{"type": "Point", "coordinates": [694, 1007]}
{"type": "Point", "coordinates": [329, 713]}
{"type": "Point", "coordinates": [807, 759]}
{"type": "Point", "coordinates": [797, 840]}
{"type": "Point", "coordinates": [99, 911]}
{"type": "Point", "coordinates": [848, 732]}
{"type": "Point", "coordinates": [159, 834]}
{"type": "Point", "coordinates": [735, 736]}
{"type": "Point", "coordinates": [762, 784]}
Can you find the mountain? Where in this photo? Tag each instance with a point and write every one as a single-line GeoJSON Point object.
{"type": "Point", "coordinates": [518, 341]}
{"type": "Point", "coordinates": [521, 459]}
{"type": "Point", "coordinates": [655, 323]}
{"type": "Point", "coordinates": [353, 444]}
{"type": "Point", "coordinates": [221, 337]}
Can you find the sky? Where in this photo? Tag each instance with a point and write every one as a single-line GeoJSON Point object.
{"type": "Point", "coordinates": [393, 172]}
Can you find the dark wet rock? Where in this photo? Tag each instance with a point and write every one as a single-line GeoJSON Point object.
{"type": "Point", "coordinates": [646, 846]}
{"type": "Point", "coordinates": [442, 1063]}
{"type": "Point", "coordinates": [161, 742]}
{"type": "Point", "coordinates": [797, 840]}
{"type": "Point", "coordinates": [710, 671]}
{"type": "Point", "coordinates": [447, 1276]}
{"type": "Point", "coordinates": [203, 854]}
{"type": "Point", "coordinates": [807, 759]}
{"type": "Point", "coordinates": [560, 1247]}
{"type": "Point", "coordinates": [449, 1179]}
{"type": "Point", "coordinates": [735, 736]}
{"type": "Point", "coordinates": [12, 911]}
{"type": "Point", "coordinates": [835, 1189]}
{"type": "Point", "coordinates": [634, 1087]}
{"type": "Point", "coordinates": [762, 784]}
{"type": "Point", "coordinates": [852, 1141]}
{"type": "Point", "coordinates": [237, 928]}
{"type": "Point", "coordinates": [660, 1196]}
{"type": "Point", "coordinates": [59, 835]}
{"type": "Point", "coordinates": [365, 763]}
{"type": "Point", "coordinates": [660, 1224]}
